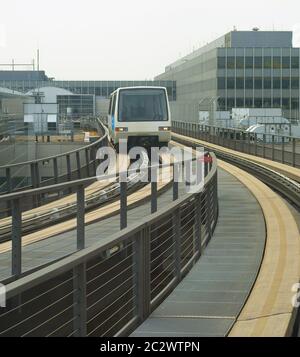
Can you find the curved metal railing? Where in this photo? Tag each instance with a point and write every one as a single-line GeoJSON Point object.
{"type": "Point", "coordinates": [109, 288]}
{"type": "Point", "coordinates": [281, 148]}
{"type": "Point", "coordinates": [79, 163]}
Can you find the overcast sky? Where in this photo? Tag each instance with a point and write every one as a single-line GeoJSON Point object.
{"type": "Point", "coordinates": [127, 39]}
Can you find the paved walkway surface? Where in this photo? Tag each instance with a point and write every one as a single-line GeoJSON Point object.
{"type": "Point", "coordinates": [211, 296]}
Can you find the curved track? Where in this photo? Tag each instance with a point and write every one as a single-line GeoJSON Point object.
{"type": "Point", "coordinates": [268, 310]}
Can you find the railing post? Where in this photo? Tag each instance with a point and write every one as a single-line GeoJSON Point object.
{"type": "Point", "coordinates": [264, 146]}
{"type": "Point", "coordinates": [255, 144]}
{"type": "Point", "coordinates": [87, 160]}
{"type": "Point", "coordinates": [80, 218]}
{"type": "Point", "coordinates": [198, 224]}
{"type": "Point", "coordinates": [123, 204]}
{"type": "Point", "coordinates": [282, 148]}
{"type": "Point", "coordinates": [78, 164]}
{"type": "Point", "coordinates": [273, 147]}
{"type": "Point", "coordinates": [79, 297]}
{"type": "Point", "coordinates": [16, 238]}
{"type": "Point", "coordinates": [154, 190]}
{"type": "Point", "coordinates": [294, 152]}
{"type": "Point", "coordinates": [142, 272]}
{"type": "Point", "coordinates": [177, 241]}
{"type": "Point", "coordinates": [175, 181]}
{"type": "Point", "coordinates": [55, 170]}
{"type": "Point", "coordinates": [69, 173]}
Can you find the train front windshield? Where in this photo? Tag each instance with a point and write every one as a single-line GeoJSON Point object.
{"type": "Point", "coordinates": [138, 105]}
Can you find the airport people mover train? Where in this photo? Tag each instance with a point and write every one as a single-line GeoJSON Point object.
{"type": "Point", "coordinates": [141, 115]}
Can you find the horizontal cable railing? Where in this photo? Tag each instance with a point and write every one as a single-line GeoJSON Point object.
{"type": "Point", "coordinates": [78, 163]}
{"type": "Point", "coordinates": [108, 289]}
{"type": "Point", "coordinates": [281, 148]}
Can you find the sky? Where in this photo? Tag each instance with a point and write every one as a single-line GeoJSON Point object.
{"type": "Point", "coordinates": [127, 39]}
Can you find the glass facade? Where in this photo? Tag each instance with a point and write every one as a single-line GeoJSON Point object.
{"type": "Point", "coordinates": [259, 78]}
{"type": "Point", "coordinates": [97, 88]}
{"type": "Point", "coordinates": [77, 105]}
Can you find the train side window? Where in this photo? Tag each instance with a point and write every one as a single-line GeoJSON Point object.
{"type": "Point", "coordinates": [114, 104]}
{"type": "Point", "coordinates": [109, 108]}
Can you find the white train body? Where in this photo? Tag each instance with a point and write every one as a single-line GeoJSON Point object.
{"type": "Point", "coordinates": [141, 115]}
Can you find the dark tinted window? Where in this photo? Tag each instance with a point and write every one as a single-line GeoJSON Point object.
{"type": "Point", "coordinates": [285, 83]}
{"type": "Point", "coordinates": [240, 102]}
{"type": "Point", "coordinates": [276, 62]}
{"type": "Point", "coordinates": [295, 62]}
{"type": "Point", "coordinates": [221, 62]}
{"type": "Point", "coordinates": [295, 83]}
{"type": "Point", "coordinates": [230, 103]}
{"type": "Point", "coordinates": [240, 62]}
{"type": "Point", "coordinates": [249, 62]}
{"type": "Point", "coordinates": [248, 102]}
{"type": "Point", "coordinates": [257, 102]}
{"type": "Point", "coordinates": [267, 62]}
{"type": "Point", "coordinates": [295, 103]}
{"type": "Point", "coordinates": [285, 62]}
{"type": "Point", "coordinates": [285, 103]}
{"type": "Point", "coordinates": [240, 83]}
{"type": "Point", "coordinates": [249, 83]}
{"type": "Point", "coordinates": [221, 83]}
{"type": "Point", "coordinates": [230, 83]}
{"type": "Point", "coordinates": [142, 105]}
{"type": "Point", "coordinates": [258, 62]}
{"type": "Point", "coordinates": [276, 83]}
{"type": "Point", "coordinates": [276, 102]}
{"type": "Point", "coordinates": [267, 103]}
{"type": "Point", "coordinates": [258, 83]}
{"type": "Point", "coordinates": [230, 62]}
{"type": "Point", "coordinates": [267, 83]}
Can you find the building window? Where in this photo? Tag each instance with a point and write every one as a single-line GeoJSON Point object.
{"type": "Point", "coordinates": [286, 103]}
{"type": "Point", "coordinates": [221, 104]}
{"type": "Point", "coordinates": [230, 103]}
{"type": "Point", "coordinates": [285, 83]}
{"type": "Point", "coordinates": [230, 83]}
{"type": "Point", "coordinates": [249, 62]}
{"type": "Point", "coordinates": [248, 102]}
{"type": "Point", "coordinates": [295, 103]}
{"type": "Point", "coordinates": [240, 83]}
{"type": "Point", "coordinates": [240, 102]}
{"type": "Point", "coordinates": [240, 62]}
{"type": "Point", "coordinates": [276, 102]}
{"type": "Point", "coordinates": [295, 62]}
{"type": "Point", "coordinates": [249, 83]}
{"type": "Point", "coordinates": [267, 83]}
{"type": "Point", "coordinates": [267, 102]}
{"type": "Point", "coordinates": [221, 62]}
{"type": "Point", "coordinates": [267, 62]}
{"type": "Point", "coordinates": [258, 62]}
{"type": "Point", "coordinates": [258, 83]}
{"type": "Point", "coordinates": [257, 102]}
{"type": "Point", "coordinates": [231, 62]}
{"type": "Point", "coordinates": [295, 83]}
{"type": "Point", "coordinates": [276, 62]}
{"type": "Point", "coordinates": [276, 83]}
{"type": "Point", "coordinates": [285, 62]}
{"type": "Point", "coordinates": [221, 83]}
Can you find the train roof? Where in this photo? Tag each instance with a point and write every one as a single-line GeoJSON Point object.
{"type": "Point", "coordinates": [139, 87]}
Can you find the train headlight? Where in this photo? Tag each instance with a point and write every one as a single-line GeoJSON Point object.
{"type": "Point", "coordinates": [164, 128]}
{"type": "Point", "coordinates": [121, 130]}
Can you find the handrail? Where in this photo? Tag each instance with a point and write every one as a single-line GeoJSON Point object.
{"type": "Point", "coordinates": [128, 273]}
{"type": "Point", "coordinates": [63, 154]}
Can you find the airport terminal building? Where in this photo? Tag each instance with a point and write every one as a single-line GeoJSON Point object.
{"type": "Point", "coordinates": [242, 69]}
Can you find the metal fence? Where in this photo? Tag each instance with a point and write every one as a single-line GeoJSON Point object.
{"type": "Point", "coordinates": [280, 148]}
{"type": "Point", "coordinates": [78, 164]}
{"type": "Point", "coordinates": [110, 288]}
